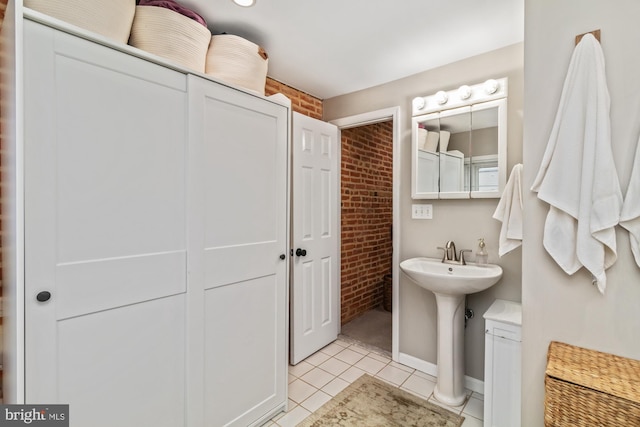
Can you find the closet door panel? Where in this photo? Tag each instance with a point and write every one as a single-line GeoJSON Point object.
{"type": "Point", "coordinates": [242, 362]}
{"type": "Point", "coordinates": [238, 147]}
{"type": "Point", "coordinates": [244, 184]}
{"type": "Point", "coordinates": [116, 282]}
{"type": "Point", "coordinates": [134, 384]}
{"type": "Point", "coordinates": [120, 162]}
{"type": "Point", "coordinates": [105, 230]}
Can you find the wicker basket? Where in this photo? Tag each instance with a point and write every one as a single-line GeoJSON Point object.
{"type": "Point", "coordinates": [170, 35]}
{"type": "Point", "coordinates": [589, 388]}
{"type": "Point", "coordinates": [110, 18]}
{"type": "Point", "coordinates": [237, 61]}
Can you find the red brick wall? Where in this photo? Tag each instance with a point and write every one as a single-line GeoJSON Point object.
{"type": "Point", "coordinates": [367, 189]}
{"type": "Point", "coordinates": [301, 102]}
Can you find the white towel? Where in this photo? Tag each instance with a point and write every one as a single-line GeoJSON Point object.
{"type": "Point", "coordinates": [630, 215]}
{"type": "Point", "coordinates": [577, 176]}
{"type": "Point", "coordinates": [509, 211]}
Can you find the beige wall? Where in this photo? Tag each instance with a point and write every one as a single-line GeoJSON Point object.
{"type": "Point", "coordinates": [557, 306]}
{"type": "Point", "coordinates": [463, 221]}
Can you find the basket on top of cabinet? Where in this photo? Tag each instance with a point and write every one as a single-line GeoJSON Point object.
{"type": "Point", "coordinates": [109, 18]}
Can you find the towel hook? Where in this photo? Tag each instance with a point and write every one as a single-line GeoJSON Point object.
{"type": "Point", "coordinates": [596, 34]}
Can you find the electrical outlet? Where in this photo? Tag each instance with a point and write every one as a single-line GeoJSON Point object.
{"type": "Point", "coordinates": [422, 211]}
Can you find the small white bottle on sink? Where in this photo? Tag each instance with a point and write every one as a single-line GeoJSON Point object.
{"type": "Point", "coordinates": [482, 257]}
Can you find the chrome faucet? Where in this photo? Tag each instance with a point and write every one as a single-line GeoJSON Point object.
{"type": "Point", "coordinates": [450, 249]}
{"type": "Point", "coordinates": [449, 254]}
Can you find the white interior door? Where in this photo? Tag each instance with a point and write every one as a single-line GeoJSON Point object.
{"type": "Point", "coordinates": [315, 290]}
{"type": "Point", "coordinates": [105, 239]}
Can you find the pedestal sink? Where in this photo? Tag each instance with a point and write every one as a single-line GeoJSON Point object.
{"type": "Point", "coordinates": [450, 283]}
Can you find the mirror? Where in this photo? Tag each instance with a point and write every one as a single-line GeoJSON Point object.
{"type": "Point", "coordinates": [460, 153]}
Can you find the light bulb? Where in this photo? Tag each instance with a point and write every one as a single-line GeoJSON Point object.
{"type": "Point", "coordinates": [491, 86]}
{"type": "Point", "coordinates": [245, 3]}
{"type": "Point", "coordinates": [442, 97]}
{"type": "Point", "coordinates": [464, 92]}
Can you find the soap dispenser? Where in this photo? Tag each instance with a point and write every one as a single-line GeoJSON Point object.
{"type": "Point", "coordinates": [482, 257]}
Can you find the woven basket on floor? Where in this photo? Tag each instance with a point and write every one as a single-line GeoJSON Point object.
{"type": "Point", "coordinates": [586, 388]}
{"type": "Point", "coordinates": [110, 18]}
{"type": "Point", "coordinates": [170, 35]}
{"type": "Point", "coordinates": [237, 61]}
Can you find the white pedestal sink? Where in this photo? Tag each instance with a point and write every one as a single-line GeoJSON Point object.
{"type": "Point", "coordinates": [450, 283]}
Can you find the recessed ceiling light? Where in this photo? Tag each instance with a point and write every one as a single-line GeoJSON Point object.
{"type": "Point", "coordinates": [245, 3]}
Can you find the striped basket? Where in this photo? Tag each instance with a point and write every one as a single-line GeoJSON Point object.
{"type": "Point", "coordinates": [585, 388]}
{"type": "Point", "coordinates": [238, 61]}
{"type": "Point", "coordinates": [110, 18]}
{"type": "Point", "coordinates": [170, 35]}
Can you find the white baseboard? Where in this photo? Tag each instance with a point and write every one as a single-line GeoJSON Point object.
{"type": "Point", "coordinates": [429, 368]}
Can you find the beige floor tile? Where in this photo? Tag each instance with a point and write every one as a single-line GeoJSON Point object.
{"type": "Point", "coordinates": [335, 366]}
{"type": "Point", "coordinates": [332, 349]}
{"type": "Point", "coordinates": [294, 417]}
{"type": "Point", "coordinates": [317, 377]}
{"type": "Point", "coordinates": [352, 374]}
{"type": "Point", "coordinates": [393, 375]}
{"type": "Point", "coordinates": [349, 356]}
{"type": "Point", "coordinates": [474, 407]}
{"type": "Point", "coordinates": [472, 422]}
{"type": "Point", "coordinates": [370, 365]}
{"type": "Point", "coordinates": [335, 386]}
{"type": "Point", "coordinates": [300, 369]}
{"type": "Point", "coordinates": [359, 349]}
{"type": "Point", "coordinates": [300, 390]}
{"type": "Point", "coordinates": [418, 385]}
{"type": "Point", "coordinates": [379, 357]}
{"type": "Point", "coordinates": [315, 401]}
{"type": "Point", "coordinates": [314, 381]}
{"type": "Point", "coordinates": [317, 358]}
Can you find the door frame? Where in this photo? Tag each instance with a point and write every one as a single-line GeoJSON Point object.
{"type": "Point", "coordinates": [369, 118]}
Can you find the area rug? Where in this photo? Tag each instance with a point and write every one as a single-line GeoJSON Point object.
{"type": "Point", "coordinates": [373, 403]}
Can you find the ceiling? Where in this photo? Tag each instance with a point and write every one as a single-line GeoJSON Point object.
{"type": "Point", "coordinates": [332, 47]}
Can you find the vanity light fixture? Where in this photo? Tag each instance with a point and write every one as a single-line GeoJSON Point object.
{"type": "Point", "coordinates": [245, 3]}
{"type": "Point", "coordinates": [464, 92]}
{"type": "Point", "coordinates": [442, 97]}
{"type": "Point", "coordinates": [464, 95]}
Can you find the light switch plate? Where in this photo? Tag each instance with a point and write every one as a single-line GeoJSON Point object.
{"type": "Point", "coordinates": [422, 211]}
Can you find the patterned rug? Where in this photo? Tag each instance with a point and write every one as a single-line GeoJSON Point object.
{"type": "Point", "coordinates": [373, 403]}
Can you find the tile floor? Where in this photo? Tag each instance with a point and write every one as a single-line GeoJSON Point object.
{"type": "Point", "coordinates": [314, 381]}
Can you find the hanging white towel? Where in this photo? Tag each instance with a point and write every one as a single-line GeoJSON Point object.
{"type": "Point", "coordinates": [577, 176]}
{"type": "Point", "coordinates": [509, 211]}
{"type": "Point", "coordinates": [630, 215]}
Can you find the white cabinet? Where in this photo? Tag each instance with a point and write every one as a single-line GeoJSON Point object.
{"type": "Point", "coordinates": [502, 372]}
{"type": "Point", "coordinates": [155, 217]}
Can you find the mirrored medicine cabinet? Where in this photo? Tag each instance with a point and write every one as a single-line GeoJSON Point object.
{"type": "Point", "coordinates": [459, 142]}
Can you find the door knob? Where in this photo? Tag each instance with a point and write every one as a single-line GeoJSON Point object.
{"type": "Point", "coordinates": [282, 256]}
{"type": "Point", "coordinates": [43, 296]}
{"type": "Point", "coordinates": [301, 252]}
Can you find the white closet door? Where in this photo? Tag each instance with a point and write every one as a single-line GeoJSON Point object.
{"type": "Point", "coordinates": [237, 243]}
{"type": "Point", "coordinates": [105, 161]}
